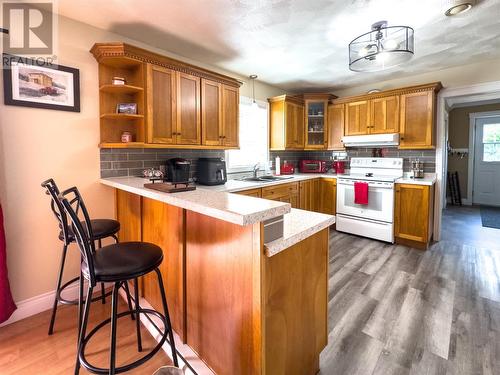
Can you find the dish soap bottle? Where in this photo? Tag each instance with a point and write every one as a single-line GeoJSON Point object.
{"type": "Point", "coordinates": [277, 166]}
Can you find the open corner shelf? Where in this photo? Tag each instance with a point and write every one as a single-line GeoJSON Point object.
{"type": "Point", "coordinates": [121, 116]}
{"type": "Point", "coordinates": [121, 89]}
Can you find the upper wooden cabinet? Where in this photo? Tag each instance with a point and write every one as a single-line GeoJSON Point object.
{"type": "Point", "coordinates": [409, 111]}
{"type": "Point", "coordinates": [286, 123]}
{"type": "Point", "coordinates": [335, 126]}
{"type": "Point", "coordinates": [316, 120]}
{"type": "Point", "coordinates": [384, 115]}
{"type": "Point", "coordinates": [417, 119]}
{"type": "Point", "coordinates": [357, 117]}
{"type": "Point", "coordinates": [230, 116]}
{"type": "Point", "coordinates": [179, 105]}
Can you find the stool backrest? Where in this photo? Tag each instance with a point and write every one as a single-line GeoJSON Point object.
{"type": "Point", "coordinates": [57, 208]}
{"type": "Point", "coordinates": [74, 206]}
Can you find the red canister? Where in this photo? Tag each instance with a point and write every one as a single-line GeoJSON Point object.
{"type": "Point", "coordinates": [339, 166]}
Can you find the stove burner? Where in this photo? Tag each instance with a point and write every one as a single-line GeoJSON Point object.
{"type": "Point", "coordinates": [369, 174]}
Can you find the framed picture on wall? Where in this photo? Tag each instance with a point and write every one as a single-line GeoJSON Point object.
{"type": "Point", "coordinates": [30, 83]}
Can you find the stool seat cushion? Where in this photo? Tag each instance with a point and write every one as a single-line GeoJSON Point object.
{"type": "Point", "coordinates": [101, 228]}
{"type": "Point", "coordinates": [126, 260]}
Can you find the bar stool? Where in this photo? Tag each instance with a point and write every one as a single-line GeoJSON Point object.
{"type": "Point", "coordinates": [117, 263]}
{"type": "Point", "coordinates": [101, 229]}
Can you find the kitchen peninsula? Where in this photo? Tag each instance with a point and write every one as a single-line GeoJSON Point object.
{"type": "Point", "coordinates": [243, 304]}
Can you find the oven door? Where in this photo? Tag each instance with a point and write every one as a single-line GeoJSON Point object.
{"type": "Point", "coordinates": [380, 200]}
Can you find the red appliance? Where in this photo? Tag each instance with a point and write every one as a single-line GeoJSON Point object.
{"type": "Point", "coordinates": [287, 168]}
{"type": "Point", "coordinates": [339, 166]}
{"type": "Point", "coordinates": [312, 166]}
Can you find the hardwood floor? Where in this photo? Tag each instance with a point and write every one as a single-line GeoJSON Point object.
{"type": "Point", "coordinates": [392, 310]}
{"type": "Point", "coordinates": [396, 310]}
{"type": "Point", "coordinates": [25, 347]}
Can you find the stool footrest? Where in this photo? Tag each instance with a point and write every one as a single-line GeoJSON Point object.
{"type": "Point", "coordinates": [64, 301]}
{"type": "Point", "coordinates": [129, 366]}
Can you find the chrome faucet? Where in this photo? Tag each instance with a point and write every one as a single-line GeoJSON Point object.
{"type": "Point", "coordinates": [256, 169]}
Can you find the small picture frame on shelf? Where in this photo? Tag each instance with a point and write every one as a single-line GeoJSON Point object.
{"type": "Point", "coordinates": [127, 108]}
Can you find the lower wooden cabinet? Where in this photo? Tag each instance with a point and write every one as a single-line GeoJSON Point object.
{"type": "Point", "coordinates": [308, 194]}
{"type": "Point", "coordinates": [288, 193]}
{"type": "Point", "coordinates": [328, 196]}
{"type": "Point", "coordinates": [414, 215]}
{"type": "Point", "coordinates": [257, 193]}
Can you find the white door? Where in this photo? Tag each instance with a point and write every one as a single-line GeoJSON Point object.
{"type": "Point", "coordinates": [487, 162]}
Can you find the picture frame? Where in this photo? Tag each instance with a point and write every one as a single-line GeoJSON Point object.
{"type": "Point", "coordinates": [30, 83]}
{"type": "Point", "coordinates": [127, 108]}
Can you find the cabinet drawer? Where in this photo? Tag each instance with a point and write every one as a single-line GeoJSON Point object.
{"type": "Point", "coordinates": [251, 193]}
{"type": "Point", "coordinates": [274, 192]}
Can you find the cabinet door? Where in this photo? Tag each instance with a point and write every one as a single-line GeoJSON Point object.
{"type": "Point", "coordinates": [188, 109]}
{"type": "Point", "coordinates": [328, 196]}
{"type": "Point", "coordinates": [384, 115]}
{"type": "Point", "coordinates": [412, 212]}
{"type": "Point", "coordinates": [335, 126]}
{"type": "Point", "coordinates": [257, 193]}
{"type": "Point", "coordinates": [161, 112]}
{"type": "Point", "coordinates": [211, 113]}
{"type": "Point", "coordinates": [417, 120]}
{"type": "Point", "coordinates": [357, 117]}
{"type": "Point", "coordinates": [315, 124]}
{"type": "Point", "coordinates": [308, 194]}
{"type": "Point", "coordinates": [299, 126]}
{"type": "Point", "coordinates": [230, 115]}
{"type": "Point", "coordinates": [290, 125]}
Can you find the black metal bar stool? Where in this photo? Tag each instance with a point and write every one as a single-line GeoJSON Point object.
{"type": "Point", "coordinates": [101, 229]}
{"type": "Point", "coordinates": [117, 263]}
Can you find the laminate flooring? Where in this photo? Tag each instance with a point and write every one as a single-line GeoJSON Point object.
{"type": "Point", "coordinates": [397, 310]}
{"type": "Point", "coordinates": [26, 349]}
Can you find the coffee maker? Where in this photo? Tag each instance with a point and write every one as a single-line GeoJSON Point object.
{"type": "Point", "coordinates": [177, 171]}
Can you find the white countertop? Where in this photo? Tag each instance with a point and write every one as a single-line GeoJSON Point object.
{"type": "Point", "coordinates": [429, 180]}
{"type": "Point", "coordinates": [298, 225]}
{"type": "Point", "coordinates": [234, 208]}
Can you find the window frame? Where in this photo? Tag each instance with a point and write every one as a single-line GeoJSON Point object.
{"type": "Point", "coordinates": [249, 168]}
{"type": "Point", "coordinates": [483, 143]}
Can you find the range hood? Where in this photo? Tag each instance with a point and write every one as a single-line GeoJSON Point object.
{"type": "Point", "coordinates": [382, 140]}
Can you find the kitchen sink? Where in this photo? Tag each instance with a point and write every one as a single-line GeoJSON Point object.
{"type": "Point", "coordinates": [265, 178]}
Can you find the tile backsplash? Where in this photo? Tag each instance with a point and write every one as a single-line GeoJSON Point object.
{"type": "Point", "coordinates": [131, 162]}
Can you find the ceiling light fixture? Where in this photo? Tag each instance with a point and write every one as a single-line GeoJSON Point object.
{"type": "Point", "coordinates": [455, 7]}
{"type": "Point", "coordinates": [382, 48]}
{"type": "Point", "coordinates": [253, 77]}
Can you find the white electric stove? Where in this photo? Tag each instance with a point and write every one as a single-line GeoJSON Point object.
{"type": "Point", "coordinates": [375, 219]}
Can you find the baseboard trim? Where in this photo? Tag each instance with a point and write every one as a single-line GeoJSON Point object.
{"type": "Point", "coordinates": [41, 303]}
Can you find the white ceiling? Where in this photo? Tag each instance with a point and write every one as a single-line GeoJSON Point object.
{"type": "Point", "coordinates": [297, 44]}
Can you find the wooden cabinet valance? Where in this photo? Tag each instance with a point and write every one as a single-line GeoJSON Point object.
{"type": "Point", "coordinates": [179, 105]}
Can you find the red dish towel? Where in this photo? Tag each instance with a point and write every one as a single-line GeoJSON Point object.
{"type": "Point", "coordinates": [7, 305]}
{"type": "Point", "coordinates": [361, 192]}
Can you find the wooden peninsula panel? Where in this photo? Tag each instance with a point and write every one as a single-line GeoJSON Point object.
{"type": "Point", "coordinates": [128, 213]}
{"type": "Point", "coordinates": [163, 224]}
{"type": "Point", "coordinates": [295, 300]}
{"type": "Point", "coordinates": [223, 300]}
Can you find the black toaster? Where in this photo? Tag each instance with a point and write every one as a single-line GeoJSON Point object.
{"type": "Point", "coordinates": [211, 171]}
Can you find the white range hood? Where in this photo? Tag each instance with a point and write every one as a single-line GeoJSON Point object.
{"type": "Point", "coordinates": [382, 140]}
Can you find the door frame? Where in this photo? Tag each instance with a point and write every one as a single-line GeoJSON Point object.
{"type": "Point", "coordinates": [447, 98]}
{"type": "Point", "coordinates": [472, 151]}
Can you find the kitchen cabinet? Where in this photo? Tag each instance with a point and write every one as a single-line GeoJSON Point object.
{"type": "Point", "coordinates": [328, 196]}
{"type": "Point", "coordinates": [219, 114]}
{"type": "Point", "coordinates": [384, 115]}
{"type": "Point", "coordinates": [188, 109]}
{"type": "Point", "coordinates": [179, 105]}
{"type": "Point", "coordinates": [230, 116]}
{"type": "Point", "coordinates": [257, 193]}
{"type": "Point", "coordinates": [413, 215]}
{"type": "Point", "coordinates": [316, 120]}
{"type": "Point", "coordinates": [286, 123]}
{"type": "Point", "coordinates": [335, 129]}
{"type": "Point", "coordinates": [309, 194]}
{"type": "Point", "coordinates": [357, 117]}
{"type": "Point", "coordinates": [417, 120]}
{"type": "Point", "coordinates": [162, 113]}
{"type": "Point", "coordinates": [288, 193]}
